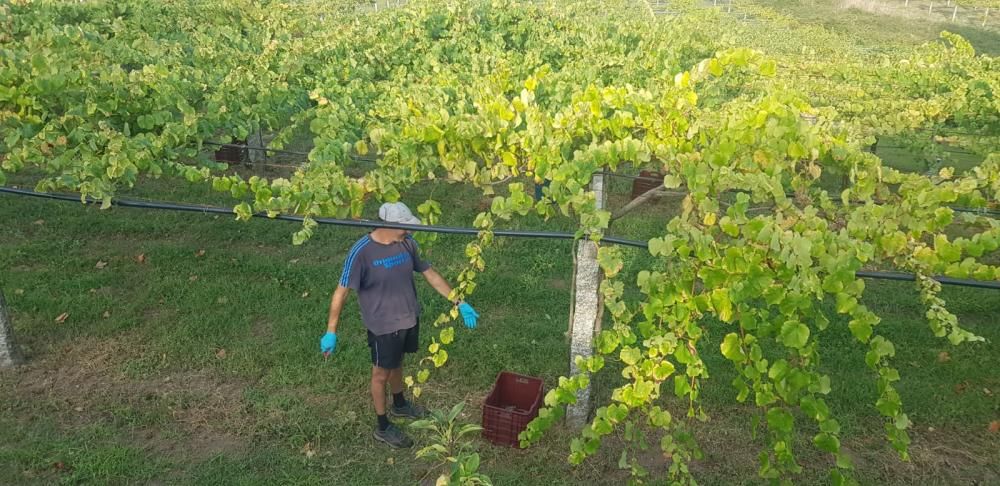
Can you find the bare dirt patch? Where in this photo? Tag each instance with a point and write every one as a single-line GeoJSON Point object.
{"type": "Point", "coordinates": [194, 415]}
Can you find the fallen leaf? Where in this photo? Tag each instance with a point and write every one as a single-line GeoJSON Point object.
{"type": "Point", "coordinates": [221, 353]}
{"type": "Point", "coordinates": [193, 278]}
{"type": "Point", "coordinates": [78, 409]}
{"type": "Point", "coordinates": [930, 429]}
{"type": "Point", "coordinates": [944, 357]}
{"type": "Point", "coordinates": [293, 260]}
{"type": "Point", "coordinates": [308, 450]}
{"type": "Point", "coordinates": [390, 461]}
{"type": "Point", "coordinates": [18, 291]}
{"type": "Point", "coordinates": [200, 253]}
{"type": "Point", "coordinates": [93, 291]}
{"type": "Point", "coordinates": [100, 265]}
{"type": "Point", "coordinates": [141, 258]}
{"type": "Point", "coordinates": [39, 222]}
{"type": "Point", "coordinates": [221, 300]}
{"type": "Point", "coordinates": [62, 317]}
{"type": "Point", "coordinates": [58, 466]}
{"type": "Point", "coordinates": [305, 294]}
{"type": "Point", "coordinates": [987, 392]}
{"type": "Point", "coordinates": [959, 388]}
{"type": "Point", "coordinates": [995, 426]}
{"type": "Point", "coordinates": [106, 314]}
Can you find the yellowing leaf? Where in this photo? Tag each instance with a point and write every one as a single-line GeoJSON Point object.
{"type": "Point", "coordinates": [531, 83]}
{"type": "Point", "coordinates": [709, 219]}
{"type": "Point", "coordinates": [447, 335]}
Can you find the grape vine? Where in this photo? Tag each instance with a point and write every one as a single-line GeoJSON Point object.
{"type": "Point", "coordinates": [499, 94]}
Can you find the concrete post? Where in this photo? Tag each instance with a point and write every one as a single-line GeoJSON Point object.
{"type": "Point", "coordinates": [585, 319]}
{"type": "Point", "coordinates": [9, 354]}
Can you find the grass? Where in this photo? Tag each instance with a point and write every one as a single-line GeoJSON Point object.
{"type": "Point", "coordinates": [886, 26]}
{"type": "Point", "coordinates": [202, 368]}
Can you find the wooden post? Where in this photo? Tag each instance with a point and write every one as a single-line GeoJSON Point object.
{"type": "Point", "coordinates": [585, 319]}
{"type": "Point", "coordinates": [9, 354]}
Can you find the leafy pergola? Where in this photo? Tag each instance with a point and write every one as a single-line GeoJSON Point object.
{"type": "Point", "coordinates": [765, 131]}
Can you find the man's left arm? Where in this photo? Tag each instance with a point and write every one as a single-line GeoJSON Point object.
{"type": "Point", "coordinates": [439, 283]}
{"type": "Point", "coordinates": [469, 315]}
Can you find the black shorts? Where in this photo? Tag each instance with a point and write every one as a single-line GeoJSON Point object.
{"type": "Point", "coordinates": [388, 349]}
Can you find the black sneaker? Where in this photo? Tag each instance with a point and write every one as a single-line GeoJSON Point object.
{"type": "Point", "coordinates": [410, 410]}
{"type": "Point", "coordinates": [394, 437]}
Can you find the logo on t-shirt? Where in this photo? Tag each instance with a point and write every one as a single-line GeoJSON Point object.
{"type": "Point", "coordinates": [395, 260]}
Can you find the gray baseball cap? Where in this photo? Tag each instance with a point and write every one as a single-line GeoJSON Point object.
{"type": "Point", "coordinates": [397, 212]}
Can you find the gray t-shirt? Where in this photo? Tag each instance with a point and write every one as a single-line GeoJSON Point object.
{"type": "Point", "coordinates": [383, 277]}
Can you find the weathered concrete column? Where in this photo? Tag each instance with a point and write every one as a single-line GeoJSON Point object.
{"type": "Point", "coordinates": [585, 319]}
{"type": "Point", "coordinates": [255, 146]}
{"type": "Point", "coordinates": [9, 354]}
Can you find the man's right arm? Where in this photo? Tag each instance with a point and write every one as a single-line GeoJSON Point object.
{"type": "Point", "coordinates": [336, 304]}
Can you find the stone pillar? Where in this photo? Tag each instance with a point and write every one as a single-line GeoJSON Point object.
{"type": "Point", "coordinates": [585, 319]}
{"type": "Point", "coordinates": [9, 354]}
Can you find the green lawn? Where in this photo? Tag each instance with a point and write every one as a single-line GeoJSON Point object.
{"type": "Point", "coordinates": [194, 367]}
{"type": "Point", "coordinates": [886, 23]}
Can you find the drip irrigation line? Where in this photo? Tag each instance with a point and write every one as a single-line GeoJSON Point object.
{"type": "Point", "coordinates": [261, 149]}
{"type": "Point", "coordinates": [130, 203]}
{"type": "Point", "coordinates": [995, 285]}
{"type": "Point", "coordinates": [908, 277]}
{"type": "Point", "coordinates": [962, 152]}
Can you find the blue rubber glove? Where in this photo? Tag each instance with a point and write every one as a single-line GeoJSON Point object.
{"type": "Point", "coordinates": [328, 343]}
{"type": "Point", "coordinates": [469, 315]}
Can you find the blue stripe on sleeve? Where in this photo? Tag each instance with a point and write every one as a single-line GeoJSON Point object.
{"type": "Point", "coordinates": [351, 257]}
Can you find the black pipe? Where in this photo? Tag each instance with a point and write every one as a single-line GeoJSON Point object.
{"type": "Point", "coordinates": [982, 284]}
{"type": "Point", "coordinates": [127, 203]}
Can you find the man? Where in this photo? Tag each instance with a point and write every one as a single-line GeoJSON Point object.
{"type": "Point", "coordinates": [380, 268]}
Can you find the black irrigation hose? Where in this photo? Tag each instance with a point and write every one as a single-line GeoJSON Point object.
{"type": "Point", "coordinates": [995, 285]}
{"type": "Point", "coordinates": [127, 203]}
{"type": "Point", "coordinates": [908, 277]}
{"type": "Point", "coordinates": [276, 151]}
{"type": "Point", "coordinates": [261, 149]}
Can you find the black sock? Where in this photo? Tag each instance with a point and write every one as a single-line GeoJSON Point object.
{"type": "Point", "coordinates": [383, 422]}
{"type": "Point", "coordinates": [398, 400]}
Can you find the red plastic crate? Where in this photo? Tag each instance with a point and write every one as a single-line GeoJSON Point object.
{"type": "Point", "coordinates": [513, 402]}
{"type": "Point", "coordinates": [640, 186]}
{"type": "Point", "coordinates": [233, 153]}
